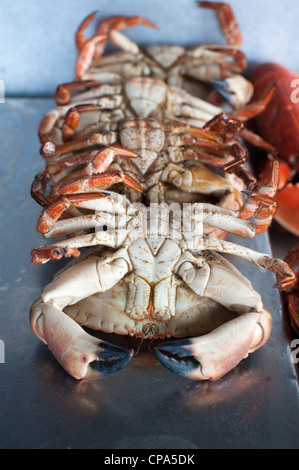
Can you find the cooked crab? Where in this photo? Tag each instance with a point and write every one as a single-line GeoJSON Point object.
{"type": "Point", "coordinates": [176, 164]}
{"type": "Point", "coordinates": [218, 66]}
{"type": "Point", "coordinates": [164, 278]}
{"type": "Point", "coordinates": [91, 106]}
{"type": "Point", "coordinates": [88, 107]}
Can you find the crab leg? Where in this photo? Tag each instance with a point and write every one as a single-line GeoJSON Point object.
{"type": "Point", "coordinates": [69, 247]}
{"type": "Point", "coordinates": [79, 353]}
{"type": "Point", "coordinates": [95, 162]}
{"type": "Point", "coordinates": [225, 57]}
{"type": "Point", "coordinates": [80, 37]}
{"type": "Point", "coordinates": [111, 27]}
{"type": "Point", "coordinates": [72, 119]}
{"type": "Point", "coordinates": [75, 192]}
{"type": "Point", "coordinates": [63, 91]}
{"type": "Point", "coordinates": [255, 108]}
{"type": "Point", "coordinates": [228, 24]}
{"type": "Point", "coordinates": [243, 115]}
{"type": "Point", "coordinates": [122, 22]}
{"type": "Point", "coordinates": [85, 222]}
{"type": "Point", "coordinates": [94, 47]}
{"type": "Point", "coordinates": [55, 209]}
{"type": "Point", "coordinates": [86, 54]}
{"type": "Point", "coordinates": [261, 202]}
{"type": "Point", "coordinates": [87, 91]}
{"type": "Point", "coordinates": [97, 181]}
{"type": "Point", "coordinates": [47, 124]}
{"type": "Point", "coordinates": [52, 151]}
{"type": "Point", "coordinates": [39, 185]}
{"type": "Point", "coordinates": [285, 276]}
{"type": "Point", "coordinates": [103, 159]}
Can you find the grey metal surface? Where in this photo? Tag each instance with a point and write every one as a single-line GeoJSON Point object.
{"type": "Point", "coordinates": [144, 405]}
{"type": "Point", "coordinates": [37, 48]}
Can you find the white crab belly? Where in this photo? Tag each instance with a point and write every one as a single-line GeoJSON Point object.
{"type": "Point", "coordinates": [106, 312]}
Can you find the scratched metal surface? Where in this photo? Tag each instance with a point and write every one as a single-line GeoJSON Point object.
{"type": "Point", "coordinates": [144, 405]}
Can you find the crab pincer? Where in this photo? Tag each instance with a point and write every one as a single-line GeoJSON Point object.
{"type": "Point", "coordinates": [213, 355]}
{"type": "Point", "coordinates": [80, 354]}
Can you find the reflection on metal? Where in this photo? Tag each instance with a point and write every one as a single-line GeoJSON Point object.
{"type": "Point", "coordinates": [2, 352]}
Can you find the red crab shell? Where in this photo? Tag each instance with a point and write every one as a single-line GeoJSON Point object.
{"type": "Point", "coordinates": [279, 125]}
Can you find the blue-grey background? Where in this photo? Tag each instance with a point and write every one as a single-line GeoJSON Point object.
{"type": "Point", "coordinates": [37, 49]}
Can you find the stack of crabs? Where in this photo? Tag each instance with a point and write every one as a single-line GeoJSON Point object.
{"type": "Point", "coordinates": [140, 138]}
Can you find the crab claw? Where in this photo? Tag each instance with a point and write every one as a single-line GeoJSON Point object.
{"type": "Point", "coordinates": [222, 88]}
{"type": "Point", "coordinates": [80, 354]}
{"type": "Point", "coordinates": [213, 355]}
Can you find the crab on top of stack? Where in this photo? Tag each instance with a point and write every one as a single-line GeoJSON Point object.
{"type": "Point", "coordinates": [155, 121]}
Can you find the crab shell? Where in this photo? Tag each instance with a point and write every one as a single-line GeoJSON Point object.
{"type": "Point", "coordinates": [278, 124]}
{"type": "Point", "coordinates": [106, 311]}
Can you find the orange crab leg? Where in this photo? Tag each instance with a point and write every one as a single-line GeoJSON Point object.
{"type": "Point", "coordinates": [42, 254]}
{"type": "Point", "coordinates": [238, 151]}
{"type": "Point", "coordinates": [46, 125]}
{"type": "Point", "coordinates": [116, 23]}
{"type": "Point", "coordinates": [39, 185]}
{"type": "Point", "coordinates": [53, 211]}
{"type": "Point", "coordinates": [176, 127]}
{"type": "Point", "coordinates": [62, 93]}
{"type": "Point", "coordinates": [261, 203]}
{"type": "Point", "coordinates": [191, 139]}
{"type": "Point", "coordinates": [122, 22]}
{"type": "Point", "coordinates": [86, 54]}
{"type": "Point", "coordinates": [50, 150]}
{"type": "Point", "coordinates": [235, 127]}
{"type": "Point", "coordinates": [103, 159]}
{"type": "Point", "coordinates": [227, 20]}
{"type": "Point", "coordinates": [255, 108]}
{"type": "Point", "coordinates": [72, 119]}
{"type": "Point", "coordinates": [80, 37]}
{"type": "Point", "coordinates": [264, 207]}
{"type": "Point", "coordinates": [98, 181]}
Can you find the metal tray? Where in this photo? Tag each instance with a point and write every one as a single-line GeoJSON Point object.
{"type": "Point", "coordinates": [145, 406]}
